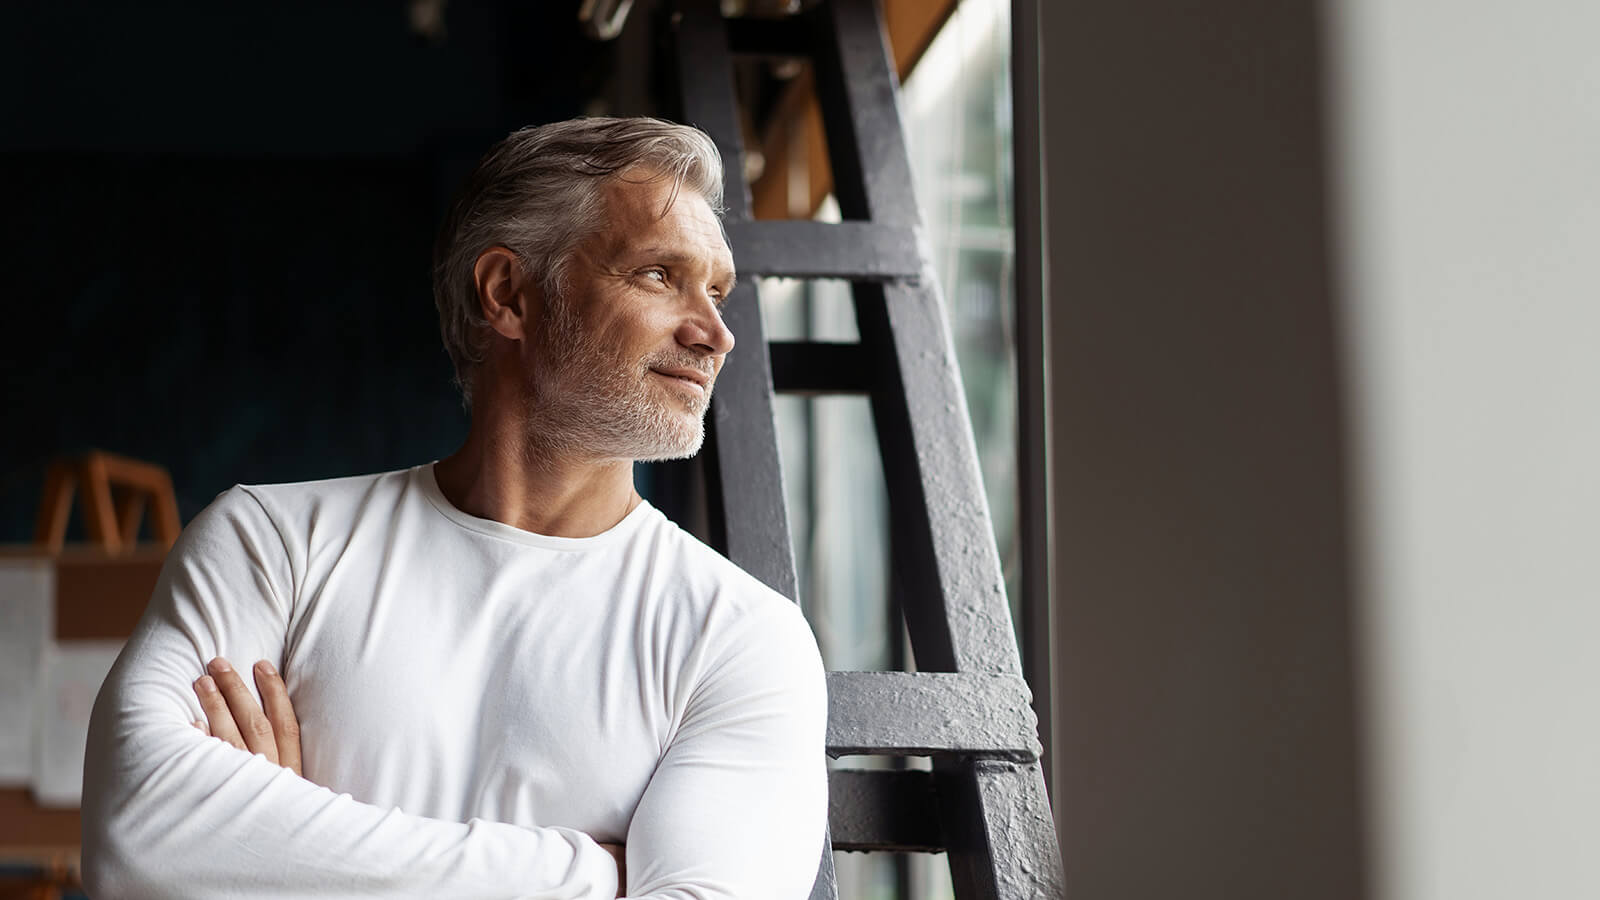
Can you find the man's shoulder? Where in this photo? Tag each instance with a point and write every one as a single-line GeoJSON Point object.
{"type": "Point", "coordinates": [706, 569]}
{"type": "Point", "coordinates": [325, 490]}
{"type": "Point", "coordinates": [293, 506]}
{"type": "Point", "coordinates": [729, 598]}
{"type": "Point", "coordinates": [752, 643]}
{"type": "Point", "coordinates": [292, 501]}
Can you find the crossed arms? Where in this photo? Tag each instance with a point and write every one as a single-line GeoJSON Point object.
{"type": "Point", "coordinates": [270, 727]}
{"type": "Point", "coordinates": [733, 809]}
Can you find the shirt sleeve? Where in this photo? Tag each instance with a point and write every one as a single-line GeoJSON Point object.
{"type": "Point", "coordinates": [737, 807]}
{"type": "Point", "coordinates": [171, 813]}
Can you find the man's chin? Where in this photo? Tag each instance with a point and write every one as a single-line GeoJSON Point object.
{"type": "Point", "coordinates": [685, 448]}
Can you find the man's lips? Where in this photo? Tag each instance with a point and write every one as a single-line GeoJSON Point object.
{"type": "Point", "coordinates": [693, 376]}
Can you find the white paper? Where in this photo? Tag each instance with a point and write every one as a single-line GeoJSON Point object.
{"type": "Point", "coordinates": [71, 677]}
{"type": "Point", "coordinates": [27, 599]}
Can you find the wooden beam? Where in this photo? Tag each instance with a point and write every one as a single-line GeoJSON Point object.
{"type": "Point", "coordinates": [797, 177]}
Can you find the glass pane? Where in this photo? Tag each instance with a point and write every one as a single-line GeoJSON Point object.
{"type": "Point", "coordinates": [957, 104]}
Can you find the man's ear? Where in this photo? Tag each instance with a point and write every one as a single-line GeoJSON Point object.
{"type": "Point", "coordinates": [504, 292]}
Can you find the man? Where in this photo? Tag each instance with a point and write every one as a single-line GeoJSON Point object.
{"type": "Point", "coordinates": [507, 659]}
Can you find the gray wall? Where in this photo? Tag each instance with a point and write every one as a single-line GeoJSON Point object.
{"type": "Point", "coordinates": [1206, 736]}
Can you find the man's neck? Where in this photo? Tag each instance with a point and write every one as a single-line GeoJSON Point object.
{"type": "Point", "coordinates": [503, 474]}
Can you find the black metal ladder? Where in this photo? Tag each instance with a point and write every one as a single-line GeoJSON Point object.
{"type": "Point", "coordinates": [967, 706]}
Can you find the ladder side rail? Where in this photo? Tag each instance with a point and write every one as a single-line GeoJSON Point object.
{"type": "Point", "coordinates": [999, 830]}
{"type": "Point", "coordinates": [705, 91]}
{"type": "Point", "coordinates": [742, 438]}
{"type": "Point", "coordinates": [1001, 838]}
{"type": "Point", "coordinates": [996, 815]}
{"type": "Point", "coordinates": [919, 405]}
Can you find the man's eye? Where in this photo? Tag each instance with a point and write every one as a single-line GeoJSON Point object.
{"type": "Point", "coordinates": [656, 274]}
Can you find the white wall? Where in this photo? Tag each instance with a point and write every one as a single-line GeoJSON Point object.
{"type": "Point", "coordinates": [1468, 174]}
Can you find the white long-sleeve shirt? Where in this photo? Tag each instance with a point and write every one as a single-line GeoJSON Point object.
{"type": "Point", "coordinates": [479, 705]}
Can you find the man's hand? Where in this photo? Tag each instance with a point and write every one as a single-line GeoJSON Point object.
{"type": "Point", "coordinates": [619, 853]}
{"type": "Point", "coordinates": [233, 715]}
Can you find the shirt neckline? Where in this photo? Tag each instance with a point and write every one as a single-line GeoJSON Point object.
{"type": "Point", "coordinates": [424, 478]}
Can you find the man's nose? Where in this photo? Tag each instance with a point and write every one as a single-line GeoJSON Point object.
{"type": "Point", "coordinates": [704, 330]}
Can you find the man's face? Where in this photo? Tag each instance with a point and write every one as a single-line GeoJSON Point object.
{"type": "Point", "coordinates": [626, 358]}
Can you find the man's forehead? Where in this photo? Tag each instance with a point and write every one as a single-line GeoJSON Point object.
{"type": "Point", "coordinates": [644, 194]}
{"type": "Point", "coordinates": [662, 220]}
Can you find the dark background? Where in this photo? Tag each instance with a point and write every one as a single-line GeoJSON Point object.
{"type": "Point", "coordinates": [217, 223]}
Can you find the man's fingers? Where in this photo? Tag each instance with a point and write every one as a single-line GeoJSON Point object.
{"type": "Point", "coordinates": [248, 719]}
{"type": "Point", "coordinates": [233, 715]}
{"type": "Point", "coordinates": [216, 710]}
{"type": "Point", "coordinates": [280, 713]}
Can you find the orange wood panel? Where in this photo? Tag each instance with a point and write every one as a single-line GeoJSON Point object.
{"type": "Point", "coordinates": [797, 176]}
{"type": "Point", "coordinates": [102, 596]}
{"type": "Point", "coordinates": [28, 831]}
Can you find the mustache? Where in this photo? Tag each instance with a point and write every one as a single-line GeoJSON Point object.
{"type": "Point", "coordinates": [698, 363]}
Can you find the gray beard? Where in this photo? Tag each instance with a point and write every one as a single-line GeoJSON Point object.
{"type": "Point", "coordinates": [585, 402]}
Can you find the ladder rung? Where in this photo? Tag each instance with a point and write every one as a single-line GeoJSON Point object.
{"type": "Point", "coordinates": [800, 248]}
{"type": "Point", "coordinates": [974, 714]}
{"type": "Point", "coordinates": [884, 809]}
{"type": "Point", "coordinates": [819, 367]}
{"type": "Point", "coordinates": [787, 37]}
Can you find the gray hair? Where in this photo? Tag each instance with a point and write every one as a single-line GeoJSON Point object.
{"type": "Point", "coordinates": [540, 193]}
